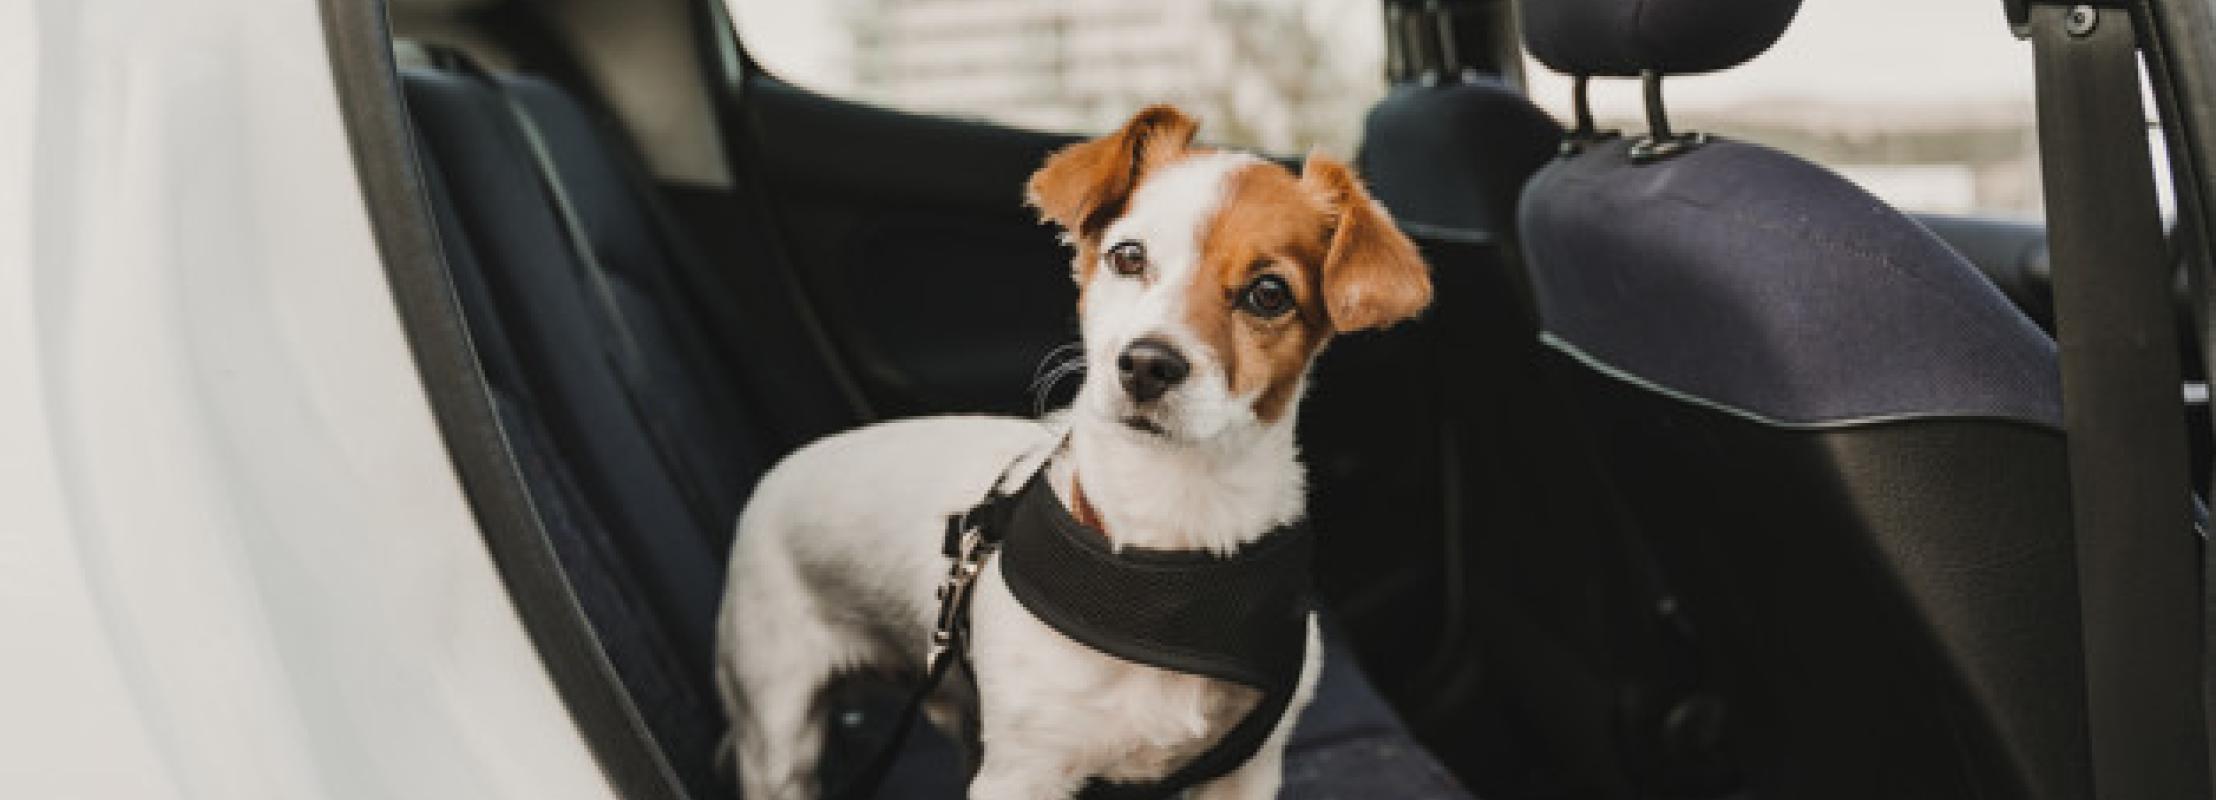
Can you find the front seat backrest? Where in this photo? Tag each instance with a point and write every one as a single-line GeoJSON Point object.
{"type": "Point", "coordinates": [1841, 442]}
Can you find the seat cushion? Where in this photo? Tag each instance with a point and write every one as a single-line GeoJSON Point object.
{"type": "Point", "coordinates": [1347, 744]}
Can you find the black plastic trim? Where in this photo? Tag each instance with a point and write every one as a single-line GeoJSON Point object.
{"type": "Point", "coordinates": [2138, 580]}
{"type": "Point", "coordinates": [363, 71]}
{"type": "Point", "coordinates": [2178, 43]}
{"type": "Point", "coordinates": [722, 49]}
{"type": "Point", "coordinates": [2179, 47]}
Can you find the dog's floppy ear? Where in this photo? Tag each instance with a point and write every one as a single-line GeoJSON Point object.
{"type": "Point", "coordinates": [1084, 186]}
{"type": "Point", "coordinates": [1372, 275]}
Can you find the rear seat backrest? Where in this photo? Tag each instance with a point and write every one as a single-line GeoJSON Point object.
{"type": "Point", "coordinates": [636, 466]}
{"type": "Point", "coordinates": [559, 337]}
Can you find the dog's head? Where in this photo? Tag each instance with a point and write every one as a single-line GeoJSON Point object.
{"type": "Point", "coordinates": [1208, 280]}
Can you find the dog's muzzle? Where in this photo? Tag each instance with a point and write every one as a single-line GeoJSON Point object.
{"type": "Point", "coordinates": [1149, 368]}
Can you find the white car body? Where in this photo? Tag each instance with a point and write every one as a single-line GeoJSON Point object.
{"type": "Point", "coordinates": [235, 560]}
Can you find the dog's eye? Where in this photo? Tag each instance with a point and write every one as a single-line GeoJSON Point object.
{"type": "Point", "coordinates": [1268, 296]}
{"type": "Point", "coordinates": [1127, 258]}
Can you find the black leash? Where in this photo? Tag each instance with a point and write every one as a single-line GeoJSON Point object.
{"type": "Point", "coordinates": [972, 537]}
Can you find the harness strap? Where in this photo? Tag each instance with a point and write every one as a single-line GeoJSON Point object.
{"type": "Point", "coordinates": [1241, 619]}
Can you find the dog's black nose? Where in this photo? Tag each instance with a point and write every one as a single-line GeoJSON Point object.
{"type": "Point", "coordinates": [1150, 367]}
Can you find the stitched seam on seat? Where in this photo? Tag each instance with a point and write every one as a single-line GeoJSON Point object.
{"type": "Point", "coordinates": [1635, 380]}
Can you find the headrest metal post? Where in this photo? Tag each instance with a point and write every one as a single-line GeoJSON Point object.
{"type": "Point", "coordinates": [1581, 97]}
{"type": "Point", "coordinates": [1658, 117]}
{"type": "Point", "coordinates": [1587, 132]}
{"type": "Point", "coordinates": [1661, 142]}
{"type": "Point", "coordinates": [1442, 29]}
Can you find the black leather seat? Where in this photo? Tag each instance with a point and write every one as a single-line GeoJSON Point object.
{"type": "Point", "coordinates": [641, 424]}
{"type": "Point", "coordinates": [1840, 440]}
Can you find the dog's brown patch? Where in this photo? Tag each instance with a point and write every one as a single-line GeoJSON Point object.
{"type": "Point", "coordinates": [1349, 266]}
{"type": "Point", "coordinates": [1085, 186]}
{"type": "Point", "coordinates": [1267, 225]}
{"type": "Point", "coordinates": [1373, 276]}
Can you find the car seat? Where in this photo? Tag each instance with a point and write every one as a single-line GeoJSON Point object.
{"type": "Point", "coordinates": [1840, 441]}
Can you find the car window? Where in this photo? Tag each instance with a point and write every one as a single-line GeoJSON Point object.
{"type": "Point", "coordinates": [1926, 103]}
{"type": "Point", "coordinates": [1276, 75]}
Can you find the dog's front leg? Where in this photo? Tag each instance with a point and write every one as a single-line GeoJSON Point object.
{"type": "Point", "coordinates": [1028, 754]}
{"type": "Point", "coordinates": [1025, 700]}
{"type": "Point", "coordinates": [1258, 779]}
{"type": "Point", "coordinates": [1014, 772]}
{"type": "Point", "coordinates": [1262, 776]}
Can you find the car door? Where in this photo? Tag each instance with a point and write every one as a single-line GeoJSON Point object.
{"type": "Point", "coordinates": [910, 235]}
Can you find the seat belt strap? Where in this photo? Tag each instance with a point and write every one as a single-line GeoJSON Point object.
{"type": "Point", "coordinates": [2138, 565]}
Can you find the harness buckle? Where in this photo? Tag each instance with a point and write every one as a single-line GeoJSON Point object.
{"type": "Point", "coordinates": [969, 549]}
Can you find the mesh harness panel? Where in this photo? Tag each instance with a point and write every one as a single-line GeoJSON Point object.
{"type": "Point", "coordinates": [1242, 619]}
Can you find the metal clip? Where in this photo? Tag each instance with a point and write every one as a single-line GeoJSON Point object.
{"type": "Point", "coordinates": [969, 562]}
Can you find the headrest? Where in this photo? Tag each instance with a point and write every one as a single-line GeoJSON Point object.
{"type": "Point", "coordinates": [1620, 38]}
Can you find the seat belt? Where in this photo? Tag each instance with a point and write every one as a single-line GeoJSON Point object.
{"type": "Point", "coordinates": [2139, 583]}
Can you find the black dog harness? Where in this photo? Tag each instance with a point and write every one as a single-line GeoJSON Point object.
{"type": "Point", "coordinates": [1241, 619]}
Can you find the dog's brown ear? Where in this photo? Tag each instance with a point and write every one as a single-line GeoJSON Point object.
{"type": "Point", "coordinates": [1084, 186]}
{"type": "Point", "coordinates": [1372, 275]}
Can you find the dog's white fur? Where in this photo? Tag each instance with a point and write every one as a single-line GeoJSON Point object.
{"type": "Point", "coordinates": [837, 557]}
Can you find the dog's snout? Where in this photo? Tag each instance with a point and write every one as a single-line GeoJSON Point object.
{"type": "Point", "coordinates": [1150, 367]}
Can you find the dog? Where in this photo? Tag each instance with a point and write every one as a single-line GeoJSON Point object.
{"type": "Point", "coordinates": [1208, 280]}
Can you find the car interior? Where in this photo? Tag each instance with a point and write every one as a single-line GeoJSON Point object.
{"type": "Point", "coordinates": [1708, 475]}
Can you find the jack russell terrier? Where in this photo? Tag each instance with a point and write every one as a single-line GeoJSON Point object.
{"type": "Point", "coordinates": [1207, 280]}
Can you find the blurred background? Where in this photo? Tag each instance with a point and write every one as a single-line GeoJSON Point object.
{"type": "Point", "coordinates": [1926, 104]}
